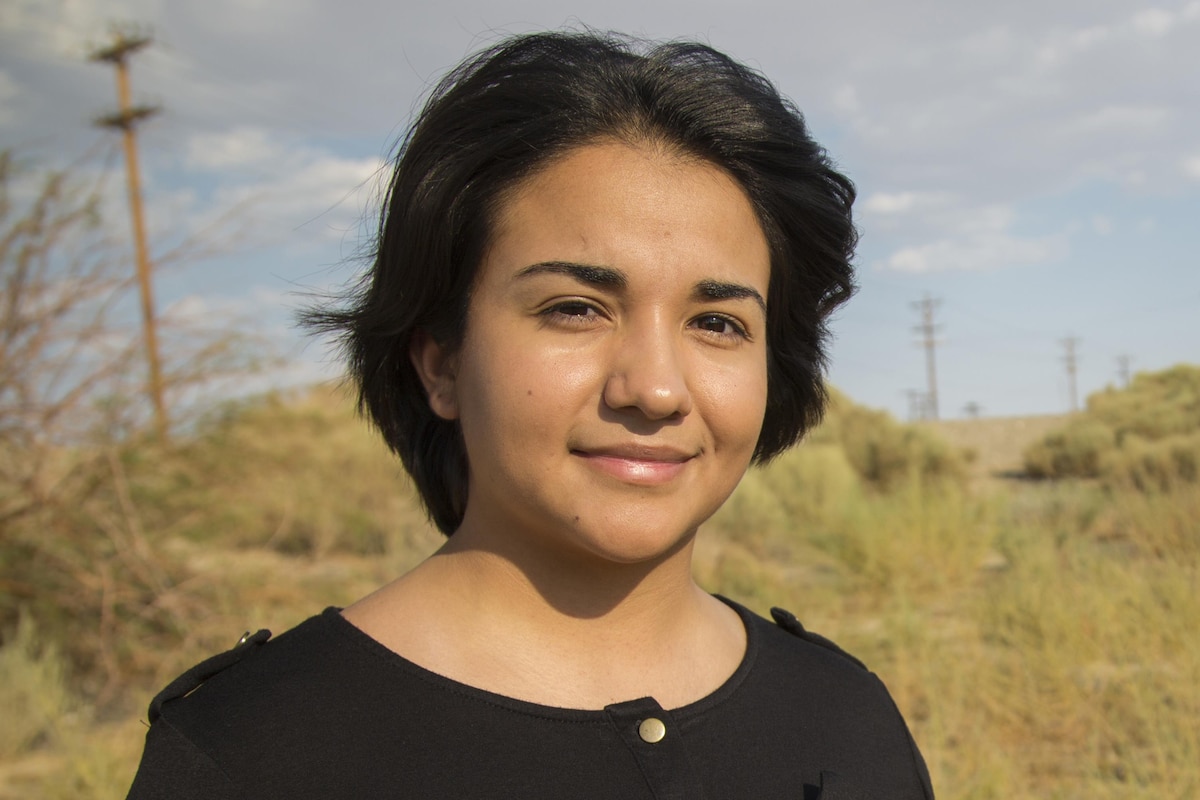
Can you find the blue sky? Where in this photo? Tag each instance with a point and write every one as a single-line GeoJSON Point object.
{"type": "Point", "coordinates": [1034, 166]}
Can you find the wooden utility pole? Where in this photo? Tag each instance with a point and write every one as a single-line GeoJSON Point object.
{"type": "Point", "coordinates": [1071, 360]}
{"type": "Point", "coordinates": [927, 328]}
{"type": "Point", "coordinates": [126, 119]}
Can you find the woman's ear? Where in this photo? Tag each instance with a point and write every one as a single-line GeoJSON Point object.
{"type": "Point", "coordinates": [436, 366]}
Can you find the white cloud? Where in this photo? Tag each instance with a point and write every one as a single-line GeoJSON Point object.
{"type": "Point", "coordinates": [1120, 120]}
{"type": "Point", "coordinates": [63, 27]}
{"type": "Point", "coordinates": [941, 233]}
{"type": "Point", "coordinates": [908, 202]}
{"type": "Point", "coordinates": [1154, 21]}
{"type": "Point", "coordinates": [193, 309]}
{"type": "Point", "coordinates": [976, 253]}
{"type": "Point", "coordinates": [884, 203]}
{"type": "Point", "coordinates": [307, 186]}
{"type": "Point", "coordinates": [189, 309]}
{"type": "Point", "coordinates": [239, 147]}
{"type": "Point", "coordinates": [845, 99]}
{"type": "Point", "coordinates": [276, 188]}
{"type": "Point", "coordinates": [1059, 48]}
{"type": "Point", "coordinates": [1191, 167]}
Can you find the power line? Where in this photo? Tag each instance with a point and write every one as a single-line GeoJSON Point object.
{"type": "Point", "coordinates": [126, 119]}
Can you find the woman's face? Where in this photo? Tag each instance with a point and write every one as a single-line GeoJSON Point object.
{"type": "Point", "coordinates": [612, 378]}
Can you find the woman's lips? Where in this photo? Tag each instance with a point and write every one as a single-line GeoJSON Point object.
{"type": "Point", "coordinates": [641, 466]}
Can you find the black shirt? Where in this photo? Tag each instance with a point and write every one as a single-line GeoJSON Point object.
{"type": "Point", "coordinates": [324, 711]}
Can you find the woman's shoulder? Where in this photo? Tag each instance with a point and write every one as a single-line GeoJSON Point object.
{"type": "Point", "coordinates": [792, 662]}
{"type": "Point", "coordinates": [825, 701]}
{"type": "Point", "coordinates": [786, 621]}
{"type": "Point", "coordinates": [269, 687]}
{"type": "Point", "coordinates": [784, 641]}
{"type": "Point", "coordinates": [251, 667]}
{"type": "Point", "coordinates": [227, 711]}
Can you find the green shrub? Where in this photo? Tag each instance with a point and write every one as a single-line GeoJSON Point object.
{"type": "Point", "coordinates": [1155, 406]}
{"type": "Point", "coordinates": [1155, 465]}
{"type": "Point", "coordinates": [812, 482]}
{"type": "Point", "coordinates": [33, 690]}
{"type": "Point", "coordinates": [301, 475]}
{"type": "Point", "coordinates": [1077, 450]}
{"type": "Point", "coordinates": [885, 453]}
{"type": "Point", "coordinates": [1144, 436]}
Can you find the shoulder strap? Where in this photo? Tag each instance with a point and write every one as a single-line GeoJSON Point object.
{"type": "Point", "coordinates": [787, 620]}
{"type": "Point", "coordinates": [189, 681]}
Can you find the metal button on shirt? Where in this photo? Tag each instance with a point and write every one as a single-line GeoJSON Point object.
{"type": "Point", "coordinates": [664, 760]}
{"type": "Point", "coordinates": [652, 730]}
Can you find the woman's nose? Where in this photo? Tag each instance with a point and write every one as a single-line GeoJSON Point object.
{"type": "Point", "coordinates": [648, 374]}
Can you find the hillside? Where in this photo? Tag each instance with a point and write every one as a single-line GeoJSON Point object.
{"type": "Point", "coordinates": [996, 442]}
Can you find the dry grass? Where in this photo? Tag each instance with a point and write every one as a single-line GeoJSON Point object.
{"type": "Point", "coordinates": [1035, 635]}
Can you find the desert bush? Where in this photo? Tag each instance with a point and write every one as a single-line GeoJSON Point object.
{"type": "Point", "coordinates": [1078, 450]}
{"type": "Point", "coordinates": [1144, 436]}
{"type": "Point", "coordinates": [805, 487]}
{"type": "Point", "coordinates": [64, 369]}
{"type": "Point", "coordinates": [906, 518]}
{"type": "Point", "coordinates": [76, 554]}
{"type": "Point", "coordinates": [885, 453]}
{"type": "Point", "coordinates": [300, 474]}
{"type": "Point", "coordinates": [1154, 465]}
{"type": "Point", "coordinates": [33, 690]}
{"type": "Point", "coordinates": [1156, 405]}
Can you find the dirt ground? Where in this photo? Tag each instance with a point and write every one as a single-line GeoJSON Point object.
{"type": "Point", "coordinates": [997, 442]}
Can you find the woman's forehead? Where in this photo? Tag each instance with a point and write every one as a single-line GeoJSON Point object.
{"type": "Point", "coordinates": [624, 207]}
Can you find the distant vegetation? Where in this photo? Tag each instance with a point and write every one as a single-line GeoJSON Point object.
{"type": "Point", "coordinates": [1035, 637]}
{"type": "Point", "coordinates": [1146, 436]}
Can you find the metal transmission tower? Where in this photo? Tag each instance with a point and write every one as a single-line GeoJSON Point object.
{"type": "Point", "coordinates": [1071, 360]}
{"type": "Point", "coordinates": [916, 405]}
{"type": "Point", "coordinates": [126, 120]}
{"type": "Point", "coordinates": [927, 329]}
{"type": "Point", "coordinates": [1123, 362]}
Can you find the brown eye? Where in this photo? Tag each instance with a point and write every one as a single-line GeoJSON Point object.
{"type": "Point", "coordinates": [573, 309]}
{"type": "Point", "coordinates": [573, 313]}
{"type": "Point", "coordinates": [720, 326]}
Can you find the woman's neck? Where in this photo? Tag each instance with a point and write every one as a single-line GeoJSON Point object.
{"type": "Point", "coordinates": [561, 631]}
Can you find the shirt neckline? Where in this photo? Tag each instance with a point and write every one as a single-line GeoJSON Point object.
{"type": "Point", "coordinates": [342, 627]}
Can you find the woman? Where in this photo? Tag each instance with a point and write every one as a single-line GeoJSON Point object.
{"type": "Point", "coordinates": [599, 293]}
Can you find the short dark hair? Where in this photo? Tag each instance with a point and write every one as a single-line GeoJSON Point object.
{"type": "Point", "coordinates": [504, 114]}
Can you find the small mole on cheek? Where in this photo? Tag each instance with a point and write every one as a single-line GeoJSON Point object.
{"type": "Point", "coordinates": [529, 392]}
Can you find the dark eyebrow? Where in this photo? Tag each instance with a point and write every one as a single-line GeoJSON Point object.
{"type": "Point", "coordinates": [605, 277]}
{"type": "Point", "coordinates": [609, 278]}
{"type": "Point", "coordinates": [719, 290]}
